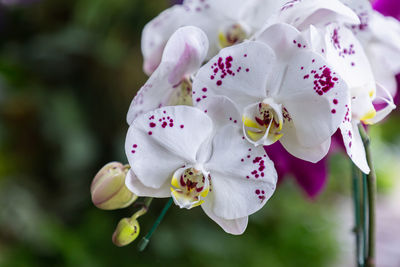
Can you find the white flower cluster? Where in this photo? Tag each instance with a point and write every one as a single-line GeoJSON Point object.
{"type": "Point", "coordinates": [230, 77]}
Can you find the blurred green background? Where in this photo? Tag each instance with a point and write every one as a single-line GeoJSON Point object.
{"type": "Point", "coordinates": [68, 72]}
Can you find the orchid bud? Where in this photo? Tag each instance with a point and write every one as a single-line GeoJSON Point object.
{"type": "Point", "coordinates": [108, 187]}
{"type": "Point", "coordinates": [126, 232]}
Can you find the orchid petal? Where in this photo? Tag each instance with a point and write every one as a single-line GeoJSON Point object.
{"type": "Point", "coordinates": [139, 189]}
{"type": "Point", "coordinates": [315, 98]}
{"type": "Point", "coordinates": [312, 153]}
{"type": "Point", "coordinates": [243, 178]}
{"type": "Point", "coordinates": [255, 13]}
{"type": "Point", "coordinates": [161, 141]}
{"type": "Point", "coordinates": [154, 94]}
{"type": "Point", "coordinates": [185, 51]}
{"type": "Point", "coordinates": [234, 227]}
{"type": "Point", "coordinates": [221, 110]}
{"type": "Point", "coordinates": [302, 14]}
{"type": "Point", "coordinates": [354, 145]}
{"type": "Point", "coordinates": [384, 112]}
{"type": "Point", "coordinates": [381, 59]}
{"type": "Point", "coordinates": [239, 72]}
{"type": "Point", "coordinates": [347, 56]}
{"type": "Point", "coordinates": [156, 34]}
{"type": "Point", "coordinates": [390, 36]}
{"type": "Point", "coordinates": [284, 39]}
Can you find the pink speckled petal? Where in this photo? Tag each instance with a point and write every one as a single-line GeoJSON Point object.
{"type": "Point", "coordinates": [154, 94]}
{"type": "Point", "coordinates": [354, 145]}
{"type": "Point", "coordinates": [346, 55]}
{"type": "Point", "coordinates": [239, 72]}
{"type": "Point", "coordinates": [284, 39]}
{"type": "Point", "coordinates": [243, 178]}
{"type": "Point", "coordinates": [315, 98]}
{"type": "Point", "coordinates": [221, 110]}
{"type": "Point", "coordinates": [162, 141]}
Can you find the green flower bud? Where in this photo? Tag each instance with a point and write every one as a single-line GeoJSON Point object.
{"type": "Point", "coordinates": [126, 232]}
{"type": "Point", "coordinates": [108, 188]}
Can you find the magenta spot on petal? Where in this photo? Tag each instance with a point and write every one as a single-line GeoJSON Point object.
{"type": "Point", "coordinates": [257, 191]}
{"type": "Point", "coordinates": [135, 146]}
{"type": "Point", "coordinates": [219, 82]}
{"type": "Point", "coordinates": [152, 124]}
{"type": "Point", "coordinates": [182, 126]}
{"type": "Point", "coordinates": [150, 133]}
{"type": "Point", "coordinates": [247, 70]}
{"type": "Point", "coordinates": [204, 89]}
{"type": "Point", "coordinates": [335, 101]}
{"type": "Point", "coordinates": [333, 111]}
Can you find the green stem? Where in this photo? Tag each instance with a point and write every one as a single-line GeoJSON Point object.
{"type": "Point", "coordinates": [371, 186]}
{"type": "Point", "coordinates": [357, 217]}
{"type": "Point", "coordinates": [145, 240]}
{"type": "Point", "coordinates": [365, 216]}
{"type": "Point", "coordinates": [144, 209]}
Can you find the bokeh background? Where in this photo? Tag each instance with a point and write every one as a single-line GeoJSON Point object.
{"type": "Point", "coordinates": [68, 72]}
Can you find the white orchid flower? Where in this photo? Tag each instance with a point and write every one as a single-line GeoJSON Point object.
{"type": "Point", "coordinates": [341, 49]}
{"type": "Point", "coordinates": [210, 16]}
{"type": "Point", "coordinates": [380, 37]}
{"type": "Point", "coordinates": [200, 158]}
{"type": "Point", "coordinates": [292, 95]}
{"type": "Point", "coordinates": [170, 83]}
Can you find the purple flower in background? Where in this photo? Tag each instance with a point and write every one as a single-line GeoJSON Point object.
{"type": "Point", "coordinates": [311, 177]}
{"type": "Point", "coordinates": [388, 7]}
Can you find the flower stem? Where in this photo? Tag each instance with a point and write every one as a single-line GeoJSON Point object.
{"type": "Point", "coordinates": [371, 188]}
{"type": "Point", "coordinates": [145, 240]}
{"type": "Point", "coordinates": [357, 212]}
{"type": "Point", "coordinates": [144, 209]}
{"type": "Point", "coordinates": [364, 216]}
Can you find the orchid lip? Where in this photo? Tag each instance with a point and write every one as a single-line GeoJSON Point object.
{"type": "Point", "coordinates": [263, 122]}
{"type": "Point", "coordinates": [190, 186]}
